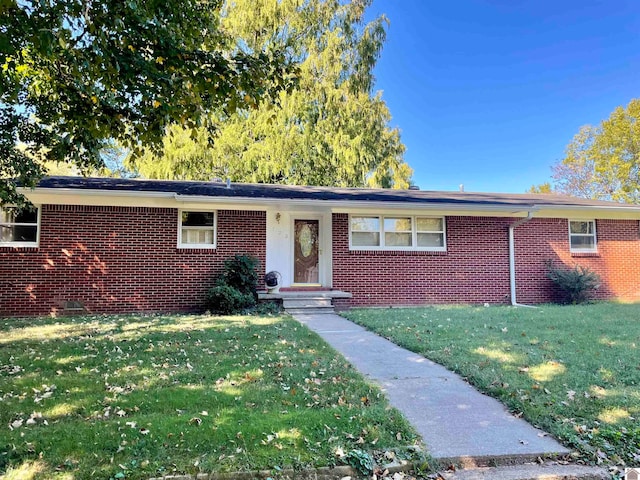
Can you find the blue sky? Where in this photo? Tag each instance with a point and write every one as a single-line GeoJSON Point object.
{"type": "Point", "coordinates": [489, 93]}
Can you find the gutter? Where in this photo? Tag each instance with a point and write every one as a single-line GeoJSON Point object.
{"type": "Point", "coordinates": [512, 259]}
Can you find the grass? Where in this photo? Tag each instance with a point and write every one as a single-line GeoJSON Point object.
{"type": "Point", "coordinates": [574, 371]}
{"type": "Point", "coordinates": [138, 396]}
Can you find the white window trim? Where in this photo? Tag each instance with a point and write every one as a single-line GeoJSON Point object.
{"type": "Point", "coordinates": [414, 234]}
{"type": "Point", "coordinates": [35, 244]}
{"type": "Point", "coordinates": [594, 235]}
{"type": "Point", "coordinates": [198, 245]}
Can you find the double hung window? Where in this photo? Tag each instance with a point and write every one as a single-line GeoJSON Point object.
{"type": "Point", "coordinates": [19, 227]}
{"type": "Point", "coordinates": [197, 229]}
{"type": "Point", "coordinates": [582, 236]}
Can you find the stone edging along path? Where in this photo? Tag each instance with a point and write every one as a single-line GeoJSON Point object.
{"type": "Point", "coordinates": [323, 473]}
{"type": "Point", "coordinates": [530, 471]}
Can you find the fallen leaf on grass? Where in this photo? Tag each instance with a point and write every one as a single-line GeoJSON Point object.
{"type": "Point", "coordinates": [16, 424]}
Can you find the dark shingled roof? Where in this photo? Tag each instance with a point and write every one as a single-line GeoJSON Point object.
{"type": "Point", "coordinates": [290, 192]}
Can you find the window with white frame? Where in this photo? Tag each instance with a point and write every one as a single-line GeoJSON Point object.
{"type": "Point", "coordinates": [397, 232]}
{"type": "Point", "coordinates": [582, 236]}
{"type": "Point", "coordinates": [430, 232]}
{"type": "Point", "coordinates": [19, 227]}
{"type": "Point", "coordinates": [197, 229]}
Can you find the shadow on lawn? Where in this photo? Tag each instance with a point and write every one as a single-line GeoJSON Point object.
{"type": "Point", "coordinates": [148, 395]}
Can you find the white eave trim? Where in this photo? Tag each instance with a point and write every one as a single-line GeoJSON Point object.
{"type": "Point", "coordinates": [347, 206]}
{"type": "Point", "coordinates": [607, 208]}
{"type": "Point", "coordinates": [173, 200]}
{"type": "Point", "coordinates": [93, 193]}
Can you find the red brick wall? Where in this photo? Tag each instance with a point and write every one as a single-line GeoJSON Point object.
{"type": "Point", "coordinates": [617, 261]}
{"type": "Point", "coordinates": [475, 268]}
{"type": "Point", "coordinates": [120, 259]}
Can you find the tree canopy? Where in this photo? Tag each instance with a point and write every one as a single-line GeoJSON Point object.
{"type": "Point", "coordinates": [77, 75]}
{"type": "Point", "coordinates": [330, 129]}
{"type": "Point", "coordinates": [603, 162]}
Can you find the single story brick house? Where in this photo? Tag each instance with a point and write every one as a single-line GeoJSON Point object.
{"type": "Point", "coordinates": [124, 245]}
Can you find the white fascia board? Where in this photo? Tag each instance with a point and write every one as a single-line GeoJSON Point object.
{"type": "Point", "coordinates": [382, 208]}
{"type": "Point", "coordinates": [253, 203]}
{"type": "Point", "coordinates": [359, 206]}
{"type": "Point", "coordinates": [73, 196]}
{"type": "Point", "coordinates": [588, 212]}
{"type": "Point", "coordinates": [70, 196]}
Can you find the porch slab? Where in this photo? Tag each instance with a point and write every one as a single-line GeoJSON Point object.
{"type": "Point", "coordinates": [298, 294]}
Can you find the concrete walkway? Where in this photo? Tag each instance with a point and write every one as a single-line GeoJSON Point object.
{"type": "Point", "coordinates": [456, 422]}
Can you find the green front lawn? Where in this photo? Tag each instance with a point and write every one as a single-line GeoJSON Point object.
{"type": "Point", "coordinates": [574, 371]}
{"type": "Point", "coordinates": [139, 396]}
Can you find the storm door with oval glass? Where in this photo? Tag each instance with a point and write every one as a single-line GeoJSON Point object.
{"type": "Point", "coordinates": [306, 252]}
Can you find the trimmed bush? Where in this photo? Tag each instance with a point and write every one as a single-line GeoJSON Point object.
{"type": "Point", "coordinates": [240, 271]}
{"type": "Point", "coordinates": [577, 284]}
{"type": "Point", "coordinates": [236, 287]}
{"type": "Point", "coordinates": [226, 300]}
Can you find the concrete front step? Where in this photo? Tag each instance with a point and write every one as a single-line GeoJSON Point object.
{"type": "Point", "coordinates": [311, 302]}
{"type": "Point", "coordinates": [310, 310]}
{"type": "Point", "coordinates": [530, 472]}
{"type": "Point", "coordinates": [306, 302]}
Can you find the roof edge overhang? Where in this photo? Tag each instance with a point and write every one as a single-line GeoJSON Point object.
{"type": "Point", "coordinates": [71, 196]}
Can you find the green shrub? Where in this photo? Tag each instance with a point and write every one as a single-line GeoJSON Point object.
{"type": "Point", "coordinates": [225, 299]}
{"type": "Point", "coordinates": [577, 284]}
{"type": "Point", "coordinates": [235, 289]}
{"type": "Point", "coordinates": [240, 271]}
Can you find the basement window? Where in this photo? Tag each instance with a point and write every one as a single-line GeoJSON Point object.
{"type": "Point", "coordinates": [397, 232]}
{"type": "Point", "coordinates": [582, 236]}
{"type": "Point", "coordinates": [196, 229]}
{"type": "Point", "coordinates": [19, 227]}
